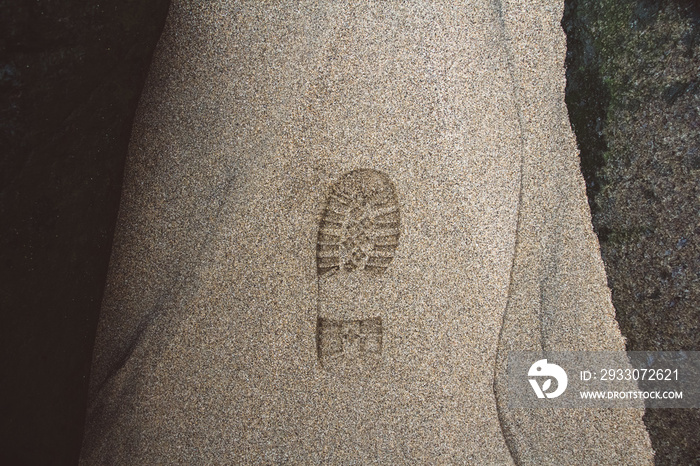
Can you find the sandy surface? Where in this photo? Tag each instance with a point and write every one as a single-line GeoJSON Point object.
{"type": "Point", "coordinates": [208, 346]}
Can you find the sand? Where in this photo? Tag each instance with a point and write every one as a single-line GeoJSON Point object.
{"type": "Point", "coordinates": [336, 222]}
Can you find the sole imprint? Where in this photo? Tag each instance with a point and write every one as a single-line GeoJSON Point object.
{"type": "Point", "coordinates": [357, 239]}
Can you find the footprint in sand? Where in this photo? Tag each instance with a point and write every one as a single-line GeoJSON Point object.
{"type": "Point", "coordinates": [357, 239]}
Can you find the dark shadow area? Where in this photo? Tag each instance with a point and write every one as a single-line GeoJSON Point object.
{"type": "Point", "coordinates": [70, 77]}
{"type": "Point", "coordinates": [632, 93]}
{"type": "Point", "coordinates": [587, 97]}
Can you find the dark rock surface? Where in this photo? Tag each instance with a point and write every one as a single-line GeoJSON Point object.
{"type": "Point", "coordinates": [633, 96]}
{"type": "Point", "coordinates": [70, 77]}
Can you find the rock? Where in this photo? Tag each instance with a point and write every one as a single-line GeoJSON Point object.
{"type": "Point", "coordinates": [643, 161]}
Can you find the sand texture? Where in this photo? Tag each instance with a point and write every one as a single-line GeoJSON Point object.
{"type": "Point", "coordinates": [337, 220]}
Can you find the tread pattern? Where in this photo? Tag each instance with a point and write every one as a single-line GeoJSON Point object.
{"type": "Point", "coordinates": [348, 339]}
{"type": "Point", "coordinates": [360, 226]}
